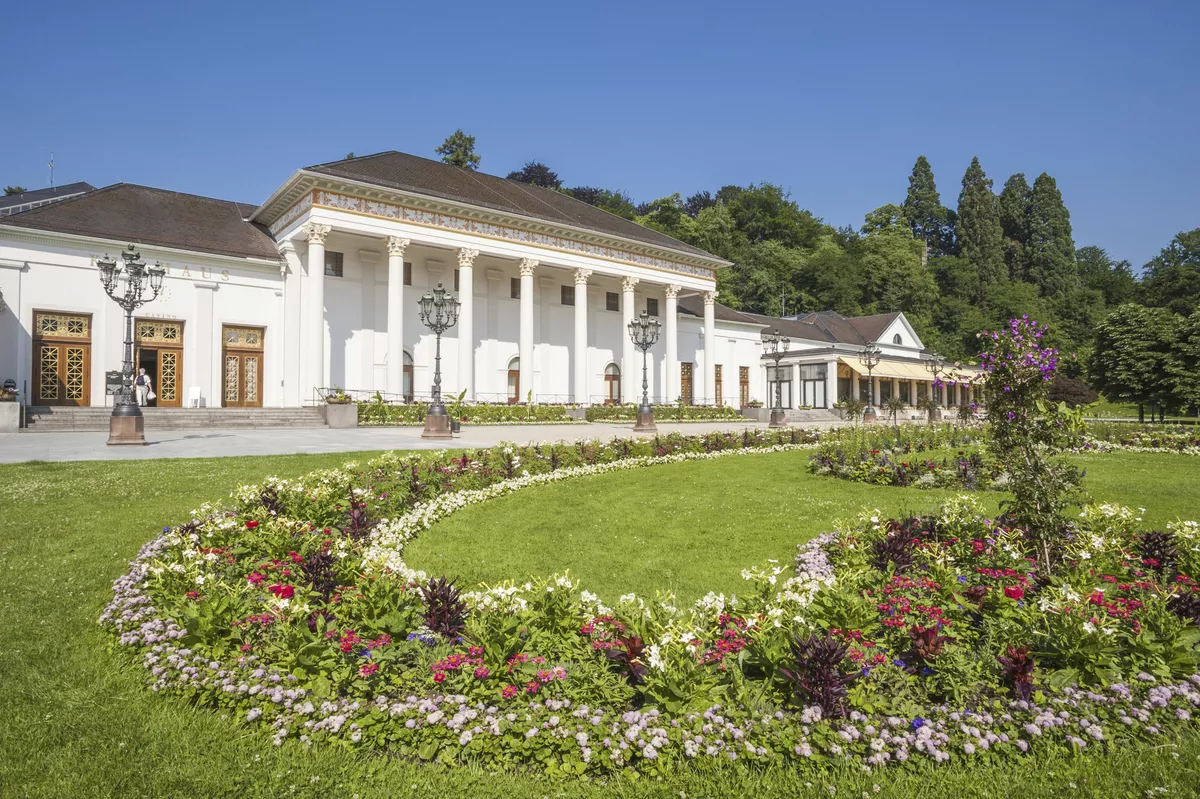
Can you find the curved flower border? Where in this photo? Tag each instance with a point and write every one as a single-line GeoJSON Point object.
{"type": "Point", "coordinates": [597, 738]}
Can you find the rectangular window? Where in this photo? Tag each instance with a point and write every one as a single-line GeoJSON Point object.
{"type": "Point", "coordinates": [568, 295]}
{"type": "Point", "coordinates": [612, 302]}
{"type": "Point", "coordinates": [904, 392]}
{"type": "Point", "coordinates": [407, 273]}
{"type": "Point", "coordinates": [456, 280]}
{"type": "Point", "coordinates": [814, 371]}
{"type": "Point", "coordinates": [514, 288]}
{"type": "Point", "coordinates": [652, 306]}
{"type": "Point", "coordinates": [333, 264]}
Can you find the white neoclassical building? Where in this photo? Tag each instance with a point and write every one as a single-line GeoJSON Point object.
{"type": "Point", "coordinates": [317, 287]}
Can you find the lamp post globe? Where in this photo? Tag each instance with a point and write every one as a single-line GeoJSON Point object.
{"type": "Point", "coordinates": [644, 332]}
{"type": "Point", "coordinates": [439, 312]}
{"type": "Point", "coordinates": [775, 346]}
{"type": "Point", "coordinates": [871, 357]}
{"type": "Point", "coordinates": [127, 285]}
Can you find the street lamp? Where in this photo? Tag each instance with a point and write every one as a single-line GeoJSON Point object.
{"type": "Point", "coordinates": [644, 332]}
{"type": "Point", "coordinates": [127, 425]}
{"type": "Point", "coordinates": [936, 365]}
{"type": "Point", "coordinates": [439, 312]}
{"type": "Point", "coordinates": [776, 346]}
{"type": "Point", "coordinates": [871, 357]}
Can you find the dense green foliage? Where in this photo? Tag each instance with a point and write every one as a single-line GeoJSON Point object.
{"type": "Point", "coordinates": [459, 150]}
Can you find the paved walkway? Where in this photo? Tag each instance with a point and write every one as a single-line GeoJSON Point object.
{"type": "Point", "coordinates": [19, 447]}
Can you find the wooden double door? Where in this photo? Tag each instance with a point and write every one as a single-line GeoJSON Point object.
{"type": "Point", "coordinates": [242, 366]}
{"type": "Point", "coordinates": [62, 351]}
{"type": "Point", "coordinates": [160, 353]}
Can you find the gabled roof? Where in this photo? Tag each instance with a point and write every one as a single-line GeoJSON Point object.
{"type": "Point", "coordinates": [143, 215]}
{"type": "Point", "coordinates": [404, 172]}
{"type": "Point", "coordinates": [41, 195]}
{"type": "Point", "coordinates": [825, 326]}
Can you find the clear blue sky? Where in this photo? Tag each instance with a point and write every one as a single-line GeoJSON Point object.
{"type": "Point", "coordinates": [834, 101]}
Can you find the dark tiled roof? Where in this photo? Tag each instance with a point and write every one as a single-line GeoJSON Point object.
{"type": "Point", "coordinates": [140, 214]}
{"type": "Point", "coordinates": [693, 305]}
{"type": "Point", "coordinates": [39, 195]}
{"type": "Point", "coordinates": [433, 178]}
{"type": "Point", "coordinates": [830, 326]}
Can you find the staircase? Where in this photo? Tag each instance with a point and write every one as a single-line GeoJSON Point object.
{"type": "Point", "coordinates": [42, 419]}
{"type": "Point", "coordinates": [802, 418]}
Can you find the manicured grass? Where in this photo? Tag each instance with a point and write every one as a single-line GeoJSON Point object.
{"type": "Point", "coordinates": [692, 528]}
{"type": "Point", "coordinates": [76, 720]}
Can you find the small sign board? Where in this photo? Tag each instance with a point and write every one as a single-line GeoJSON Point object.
{"type": "Point", "coordinates": [112, 382]}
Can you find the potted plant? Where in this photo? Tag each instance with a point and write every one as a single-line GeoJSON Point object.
{"type": "Point", "coordinates": [457, 412]}
{"type": "Point", "coordinates": [341, 411]}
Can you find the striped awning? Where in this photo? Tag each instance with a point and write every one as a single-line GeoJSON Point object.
{"type": "Point", "coordinates": [905, 370]}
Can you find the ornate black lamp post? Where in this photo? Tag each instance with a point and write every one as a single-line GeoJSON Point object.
{"type": "Point", "coordinates": [871, 357]}
{"type": "Point", "coordinates": [644, 332]}
{"type": "Point", "coordinates": [439, 312]}
{"type": "Point", "coordinates": [776, 346]}
{"type": "Point", "coordinates": [936, 365]}
{"type": "Point", "coordinates": [127, 425]}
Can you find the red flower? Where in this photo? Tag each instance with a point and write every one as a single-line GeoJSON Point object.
{"type": "Point", "coordinates": [282, 591]}
{"type": "Point", "coordinates": [250, 525]}
{"type": "Point", "coordinates": [440, 677]}
{"type": "Point", "coordinates": [1014, 592]}
{"type": "Point", "coordinates": [255, 578]}
{"type": "Point", "coordinates": [368, 670]}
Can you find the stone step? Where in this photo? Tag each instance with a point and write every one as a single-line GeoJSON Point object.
{"type": "Point", "coordinates": [46, 419]}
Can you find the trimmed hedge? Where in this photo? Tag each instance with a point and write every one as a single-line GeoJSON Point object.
{"type": "Point", "coordinates": [378, 414]}
{"type": "Point", "coordinates": [663, 413]}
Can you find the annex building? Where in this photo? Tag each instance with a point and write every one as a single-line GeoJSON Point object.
{"type": "Point", "coordinates": [318, 285]}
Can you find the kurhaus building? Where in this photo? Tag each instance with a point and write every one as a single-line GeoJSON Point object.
{"type": "Point", "coordinates": [318, 287]}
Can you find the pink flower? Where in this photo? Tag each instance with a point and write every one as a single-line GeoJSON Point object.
{"type": "Point", "coordinates": [440, 677]}
{"type": "Point", "coordinates": [482, 673]}
{"type": "Point", "coordinates": [531, 687]}
{"type": "Point", "coordinates": [368, 670]}
{"type": "Point", "coordinates": [509, 691]}
{"type": "Point", "coordinates": [255, 578]}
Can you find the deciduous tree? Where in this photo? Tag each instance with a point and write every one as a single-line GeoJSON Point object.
{"type": "Point", "coordinates": [1132, 358]}
{"type": "Point", "coordinates": [1172, 278]}
{"type": "Point", "coordinates": [538, 174]}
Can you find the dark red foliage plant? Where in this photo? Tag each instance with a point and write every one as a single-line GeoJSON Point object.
{"type": "Point", "coordinates": [928, 642]}
{"type": "Point", "coordinates": [1017, 664]}
{"type": "Point", "coordinates": [816, 677]}
{"type": "Point", "coordinates": [445, 610]}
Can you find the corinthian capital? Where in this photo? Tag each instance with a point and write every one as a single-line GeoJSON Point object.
{"type": "Point", "coordinates": [628, 283]}
{"type": "Point", "coordinates": [396, 246]}
{"type": "Point", "coordinates": [710, 297]}
{"type": "Point", "coordinates": [673, 291]}
{"type": "Point", "coordinates": [466, 257]}
{"type": "Point", "coordinates": [581, 276]}
{"type": "Point", "coordinates": [526, 266]}
{"type": "Point", "coordinates": [316, 232]}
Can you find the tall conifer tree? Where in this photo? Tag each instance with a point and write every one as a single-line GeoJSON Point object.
{"type": "Point", "coordinates": [980, 240]}
{"type": "Point", "coordinates": [1014, 223]}
{"type": "Point", "coordinates": [923, 206]}
{"type": "Point", "coordinates": [1051, 249]}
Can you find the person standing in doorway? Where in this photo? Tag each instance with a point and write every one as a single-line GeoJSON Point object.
{"type": "Point", "coordinates": [145, 391]}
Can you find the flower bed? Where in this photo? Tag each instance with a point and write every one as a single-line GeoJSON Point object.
{"type": "Point", "coordinates": [930, 638]}
{"type": "Point", "coordinates": [379, 414]}
{"type": "Point", "coordinates": [1143, 438]}
{"type": "Point", "coordinates": [966, 470]}
{"type": "Point", "coordinates": [665, 413]}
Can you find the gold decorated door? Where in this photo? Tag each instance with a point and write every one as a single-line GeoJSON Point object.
{"type": "Point", "coordinates": [242, 367]}
{"type": "Point", "coordinates": [160, 353]}
{"type": "Point", "coordinates": [62, 367]}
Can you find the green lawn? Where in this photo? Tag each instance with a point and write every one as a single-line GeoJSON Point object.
{"type": "Point", "coordinates": [692, 528]}
{"type": "Point", "coordinates": [76, 721]}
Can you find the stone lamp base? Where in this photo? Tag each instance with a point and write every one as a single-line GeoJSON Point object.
{"type": "Point", "coordinates": [127, 430]}
{"type": "Point", "coordinates": [437, 427]}
{"type": "Point", "coordinates": [778, 419]}
{"type": "Point", "coordinates": [645, 423]}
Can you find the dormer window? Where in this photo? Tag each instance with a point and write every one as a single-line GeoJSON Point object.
{"type": "Point", "coordinates": [896, 339]}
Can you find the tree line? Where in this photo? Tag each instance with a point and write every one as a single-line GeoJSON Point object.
{"type": "Point", "coordinates": [953, 271]}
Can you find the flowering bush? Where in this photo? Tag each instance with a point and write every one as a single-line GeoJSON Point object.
{"type": "Point", "coordinates": [1144, 438]}
{"type": "Point", "coordinates": [1025, 432]}
{"type": "Point", "coordinates": [927, 638]}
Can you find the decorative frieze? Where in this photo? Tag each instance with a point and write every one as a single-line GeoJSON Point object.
{"type": "Point", "coordinates": [403, 213]}
{"type": "Point", "coordinates": [292, 214]}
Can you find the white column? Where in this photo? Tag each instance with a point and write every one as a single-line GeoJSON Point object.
{"type": "Point", "coordinates": [525, 342]}
{"type": "Point", "coordinates": [912, 393]}
{"type": "Point", "coordinates": [466, 319]}
{"type": "Point", "coordinates": [710, 348]}
{"type": "Point", "coordinates": [629, 363]}
{"type": "Point", "coordinates": [831, 383]}
{"type": "Point", "coordinates": [581, 338]}
{"type": "Point", "coordinates": [315, 338]}
{"type": "Point", "coordinates": [874, 389]}
{"type": "Point", "coordinates": [395, 315]}
{"type": "Point", "coordinates": [671, 386]}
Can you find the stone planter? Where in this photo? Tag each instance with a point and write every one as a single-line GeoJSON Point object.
{"type": "Point", "coordinates": [10, 417]}
{"type": "Point", "coordinates": [757, 414]}
{"type": "Point", "coordinates": [341, 415]}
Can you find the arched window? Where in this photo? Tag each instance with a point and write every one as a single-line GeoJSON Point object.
{"type": "Point", "coordinates": [408, 378]}
{"type": "Point", "coordinates": [612, 384]}
{"type": "Point", "coordinates": [514, 381]}
{"type": "Point", "coordinates": [896, 339]}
